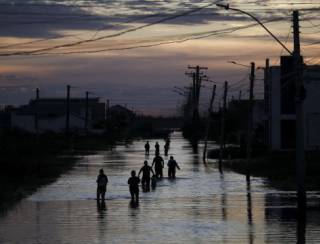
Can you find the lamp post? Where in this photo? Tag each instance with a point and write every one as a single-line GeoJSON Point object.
{"type": "Point", "coordinates": [227, 7]}
{"type": "Point", "coordinates": [300, 96]}
{"type": "Point", "coordinates": [236, 63]}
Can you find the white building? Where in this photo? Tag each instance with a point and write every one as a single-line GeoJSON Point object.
{"type": "Point", "coordinates": [280, 106]}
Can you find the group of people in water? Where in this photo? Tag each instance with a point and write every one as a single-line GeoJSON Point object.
{"type": "Point", "coordinates": [157, 147]}
{"type": "Point", "coordinates": [150, 174]}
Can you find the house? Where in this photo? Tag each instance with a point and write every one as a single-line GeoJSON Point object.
{"type": "Point", "coordinates": [50, 114]}
{"type": "Point", "coordinates": [120, 116]}
{"type": "Point", "coordinates": [280, 106]}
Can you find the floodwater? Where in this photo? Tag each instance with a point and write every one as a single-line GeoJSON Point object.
{"type": "Point", "coordinates": [200, 206]}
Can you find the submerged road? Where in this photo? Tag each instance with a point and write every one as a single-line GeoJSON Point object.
{"type": "Point", "coordinates": [200, 206]}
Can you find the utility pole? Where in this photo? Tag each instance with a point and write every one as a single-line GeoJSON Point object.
{"type": "Point", "coordinates": [37, 93]}
{"type": "Point", "coordinates": [194, 96]}
{"type": "Point", "coordinates": [267, 105]}
{"type": "Point", "coordinates": [86, 112]}
{"type": "Point", "coordinates": [36, 117]}
{"type": "Point", "coordinates": [196, 76]}
{"type": "Point", "coordinates": [208, 124]}
{"type": "Point", "coordinates": [240, 94]}
{"type": "Point", "coordinates": [222, 127]}
{"type": "Point", "coordinates": [250, 121]}
{"type": "Point", "coordinates": [107, 109]}
{"type": "Point", "coordinates": [299, 97]}
{"type": "Point", "coordinates": [68, 110]}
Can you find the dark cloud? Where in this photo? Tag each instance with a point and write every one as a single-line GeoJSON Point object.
{"type": "Point", "coordinates": [43, 19]}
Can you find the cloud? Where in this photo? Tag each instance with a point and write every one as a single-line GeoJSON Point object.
{"type": "Point", "coordinates": [142, 78]}
{"type": "Point", "coordinates": [43, 19]}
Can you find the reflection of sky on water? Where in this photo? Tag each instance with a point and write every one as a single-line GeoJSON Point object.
{"type": "Point", "coordinates": [200, 206]}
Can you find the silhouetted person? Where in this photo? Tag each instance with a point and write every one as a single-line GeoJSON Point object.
{"type": "Point", "coordinates": [133, 183]}
{"type": "Point", "coordinates": [102, 182]}
{"type": "Point", "coordinates": [168, 142]}
{"type": "Point", "coordinates": [172, 165]}
{"type": "Point", "coordinates": [158, 163]}
{"type": "Point", "coordinates": [157, 147]}
{"type": "Point", "coordinates": [147, 148]}
{"type": "Point", "coordinates": [145, 170]}
{"type": "Point", "coordinates": [166, 149]}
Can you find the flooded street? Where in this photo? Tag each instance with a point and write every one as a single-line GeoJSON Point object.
{"type": "Point", "coordinates": [200, 206]}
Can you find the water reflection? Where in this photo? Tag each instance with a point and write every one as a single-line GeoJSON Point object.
{"type": "Point", "coordinates": [249, 212]}
{"type": "Point", "coordinates": [301, 227]}
{"type": "Point", "coordinates": [200, 206]}
{"type": "Point", "coordinates": [101, 207]}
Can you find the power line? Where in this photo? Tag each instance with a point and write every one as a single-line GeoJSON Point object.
{"type": "Point", "coordinates": [111, 35]}
{"type": "Point", "coordinates": [197, 36]}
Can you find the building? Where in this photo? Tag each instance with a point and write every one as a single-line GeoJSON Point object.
{"type": "Point", "coordinates": [120, 115]}
{"type": "Point", "coordinates": [280, 106]}
{"type": "Point", "coordinates": [237, 119]}
{"type": "Point", "coordinates": [50, 115]}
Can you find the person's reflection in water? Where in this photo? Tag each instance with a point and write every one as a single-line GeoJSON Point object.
{"type": "Point", "coordinates": [133, 204]}
{"type": "Point", "coordinates": [102, 221]}
{"type": "Point", "coordinates": [101, 207]}
{"type": "Point", "coordinates": [194, 145]}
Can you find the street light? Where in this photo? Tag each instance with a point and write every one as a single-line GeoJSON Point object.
{"type": "Point", "coordinates": [234, 62]}
{"type": "Point", "coordinates": [227, 7]}
{"type": "Point", "coordinates": [207, 79]}
{"type": "Point", "coordinates": [300, 157]}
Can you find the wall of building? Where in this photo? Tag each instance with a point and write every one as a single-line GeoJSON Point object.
{"type": "Point", "coordinates": [57, 124]}
{"type": "Point", "coordinates": [23, 122]}
{"type": "Point", "coordinates": [275, 108]}
{"type": "Point", "coordinates": [283, 125]}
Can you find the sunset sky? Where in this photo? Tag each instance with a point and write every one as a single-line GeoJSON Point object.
{"type": "Point", "coordinates": [97, 46]}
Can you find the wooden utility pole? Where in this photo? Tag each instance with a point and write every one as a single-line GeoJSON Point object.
{"type": "Point", "coordinates": [36, 116]}
{"type": "Point", "coordinates": [37, 93]}
{"type": "Point", "coordinates": [222, 127]}
{"type": "Point", "coordinates": [267, 105]}
{"type": "Point", "coordinates": [107, 109]}
{"type": "Point", "coordinates": [194, 96]}
{"type": "Point", "coordinates": [208, 123]}
{"type": "Point", "coordinates": [196, 77]}
{"type": "Point", "coordinates": [250, 121]}
{"type": "Point", "coordinates": [86, 112]}
{"type": "Point", "coordinates": [68, 110]}
{"type": "Point", "coordinates": [299, 97]}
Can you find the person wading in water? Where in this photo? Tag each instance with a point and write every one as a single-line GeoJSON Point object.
{"type": "Point", "coordinates": [145, 170]}
{"type": "Point", "coordinates": [158, 163]}
{"type": "Point", "coordinates": [157, 147]}
{"type": "Point", "coordinates": [147, 148]}
{"type": "Point", "coordinates": [102, 181]}
{"type": "Point", "coordinates": [172, 165]}
{"type": "Point", "coordinates": [133, 183]}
